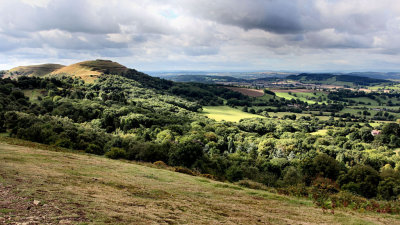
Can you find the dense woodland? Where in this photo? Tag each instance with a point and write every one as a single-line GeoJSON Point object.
{"type": "Point", "coordinates": [138, 117]}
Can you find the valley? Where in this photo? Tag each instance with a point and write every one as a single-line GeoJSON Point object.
{"type": "Point", "coordinates": [123, 135]}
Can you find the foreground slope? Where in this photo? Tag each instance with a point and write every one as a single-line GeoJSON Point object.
{"type": "Point", "coordinates": [78, 188]}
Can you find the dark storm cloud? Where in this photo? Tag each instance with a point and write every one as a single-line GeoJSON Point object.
{"type": "Point", "coordinates": [283, 17]}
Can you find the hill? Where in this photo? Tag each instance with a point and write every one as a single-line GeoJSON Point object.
{"type": "Point", "coordinates": [34, 70]}
{"type": "Point", "coordinates": [378, 75]}
{"type": "Point", "coordinates": [203, 78]}
{"type": "Point", "coordinates": [91, 70]}
{"type": "Point", "coordinates": [57, 187]}
{"type": "Point", "coordinates": [332, 79]}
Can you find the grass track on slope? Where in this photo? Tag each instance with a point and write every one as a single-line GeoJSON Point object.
{"type": "Point", "coordinates": [103, 191]}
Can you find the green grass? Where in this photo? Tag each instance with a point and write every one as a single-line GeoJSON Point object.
{"type": "Point", "coordinates": [32, 94]}
{"type": "Point", "coordinates": [365, 101]}
{"type": "Point", "coordinates": [108, 191]}
{"type": "Point", "coordinates": [227, 113]}
{"type": "Point", "coordinates": [305, 97]}
{"type": "Point", "coordinates": [322, 132]}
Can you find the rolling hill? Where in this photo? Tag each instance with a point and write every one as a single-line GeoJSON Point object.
{"type": "Point", "coordinates": [87, 70]}
{"type": "Point", "coordinates": [34, 70]}
{"type": "Point", "coordinates": [333, 79]}
{"type": "Point", "coordinates": [91, 70]}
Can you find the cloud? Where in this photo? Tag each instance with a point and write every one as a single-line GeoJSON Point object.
{"type": "Point", "coordinates": [224, 34]}
{"type": "Point", "coordinates": [273, 16]}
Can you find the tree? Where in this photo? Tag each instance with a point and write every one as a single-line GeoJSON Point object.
{"type": "Point", "coordinates": [362, 180]}
{"type": "Point", "coordinates": [185, 153]}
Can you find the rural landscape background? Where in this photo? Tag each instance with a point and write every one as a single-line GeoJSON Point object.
{"type": "Point", "coordinates": [189, 112]}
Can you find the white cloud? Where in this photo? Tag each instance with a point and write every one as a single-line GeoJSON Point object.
{"type": "Point", "coordinates": [207, 34]}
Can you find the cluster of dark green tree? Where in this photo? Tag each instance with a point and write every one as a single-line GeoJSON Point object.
{"type": "Point", "coordinates": [123, 118]}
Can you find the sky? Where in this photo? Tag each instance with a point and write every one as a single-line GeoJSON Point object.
{"type": "Point", "coordinates": [204, 35]}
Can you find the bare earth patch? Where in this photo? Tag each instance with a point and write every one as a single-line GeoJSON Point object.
{"type": "Point", "coordinates": [248, 91]}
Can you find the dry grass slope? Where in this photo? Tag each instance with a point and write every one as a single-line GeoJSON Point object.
{"type": "Point", "coordinates": [79, 188]}
{"type": "Point", "coordinates": [91, 70]}
{"type": "Point", "coordinates": [34, 70]}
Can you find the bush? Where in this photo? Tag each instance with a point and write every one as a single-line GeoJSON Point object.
{"type": "Point", "coordinates": [65, 143]}
{"type": "Point", "coordinates": [209, 176]}
{"type": "Point", "coordinates": [292, 176]}
{"type": "Point", "coordinates": [362, 180]}
{"type": "Point", "coordinates": [94, 149]}
{"type": "Point", "coordinates": [186, 153]}
{"type": "Point", "coordinates": [251, 184]}
{"type": "Point", "coordinates": [299, 190]}
{"type": "Point", "coordinates": [234, 173]}
{"type": "Point", "coordinates": [116, 153]}
{"type": "Point", "coordinates": [389, 189]}
{"type": "Point", "coordinates": [326, 166]}
{"type": "Point", "coordinates": [160, 164]}
{"type": "Point", "coordinates": [184, 170]}
{"type": "Point", "coordinates": [321, 190]}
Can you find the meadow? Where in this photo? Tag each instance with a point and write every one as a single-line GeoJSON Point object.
{"type": "Point", "coordinates": [227, 113]}
{"type": "Point", "coordinates": [303, 96]}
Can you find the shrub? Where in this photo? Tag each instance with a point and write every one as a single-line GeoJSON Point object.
{"type": "Point", "coordinates": [63, 142]}
{"type": "Point", "coordinates": [389, 189]}
{"type": "Point", "coordinates": [251, 184]}
{"type": "Point", "coordinates": [321, 190]}
{"type": "Point", "coordinates": [209, 176]}
{"type": "Point", "coordinates": [94, 149]}
{"type": "Point", "coordinates": [184, 170]}
{"type": "Point", "coordinates": [326, 166]}
{"type": "Point", "coordinates": [186, 153]}
{"type": "Point", "coordinates": [234, 173]}
{"type": "Point", "coordinates": [362, 180]}
{"type": "Point", "coordinates": [299, 190]}
{"type": "Point", "coordinates": [292, 176]}
{"type": "Point", "coordinates": [116, 153]}
{"type": "Point", "coordinates": [160, 164]}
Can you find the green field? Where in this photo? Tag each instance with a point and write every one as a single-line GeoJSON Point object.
{"type": "Point", "coordinates": [226, 113]}
{"type": "Point", "coordinates": [33, 94]}
{"type": "Point", "coordinates": [364, 101]}
{"type": "Point", "coordinates": [305, 97]}
{"type": "Point", "coordinates": [322, 132]}
{"type": "Point", "coordinates": [74, 188]}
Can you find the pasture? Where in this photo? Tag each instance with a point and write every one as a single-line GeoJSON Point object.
{"type": "Point", "coordinates": [226, 113]}
{"type": "Point", "coordinates": [309, 97]}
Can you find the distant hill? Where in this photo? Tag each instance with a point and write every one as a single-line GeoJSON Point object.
{"type": "Point", "coordinates": [333, 79]}
{"type": "Point", "coordinates": [91, 70]}
{"type": "Point", "coordinates": [203, 78]}
{"type": "Point", "coordinates": [33, 70]}
{"type": "Point", "coordinates": [378, 75]}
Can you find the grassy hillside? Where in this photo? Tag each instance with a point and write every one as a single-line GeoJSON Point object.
{"type": "Point", "coordinates": [42, 186]}
{"type": "Point", "coordinates": [91, 70]}
{"type": "Point", "coordinates": [332, 79]}
{"type": "Point", "coordinates": [34, 70]}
